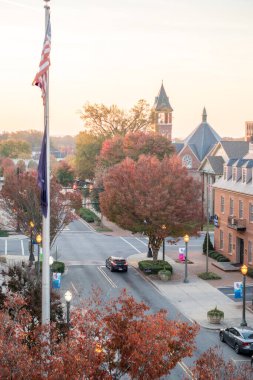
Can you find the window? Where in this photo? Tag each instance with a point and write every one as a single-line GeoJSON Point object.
{"type": "Point", "coordinates": [225, 172]}
{"type": "Point", "coordinates": [250, 252]}
{"type": "Point", "coordinates": [221, 240]}
{"type": "Point", "coordinates": [240, 209]}
{"type": "Point", "coordinates": [244, 175]}
{"type": "Point", "coordinates": [231, 207]}
{"type": "Point", "coordinates": [251, 212]}
{"type": "Point", "coordinates": [222, 204]}
{"type": "Point", "coordinates": [187, 161]}
{"type": "Point", "coordinates": [229, 243]}
{"type": "Point", "coordinates": [234, 174]}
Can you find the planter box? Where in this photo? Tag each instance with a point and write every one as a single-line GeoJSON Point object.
{"type": "Point", "coordinates": [165, 276]}
{"type": "Point", "coordinates": [215, 319]}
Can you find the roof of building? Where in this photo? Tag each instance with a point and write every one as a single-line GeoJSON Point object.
{"type": "Point", "coordinates": [216, 164]}
{"type": "Point", "coordinates": [203, 138]}
{"type": "Point", "coordinates": [178, 147]}
{"type": "Point", "coordinates": [235, 149]}
{"type": "Point", "coordinates": [162, 101]}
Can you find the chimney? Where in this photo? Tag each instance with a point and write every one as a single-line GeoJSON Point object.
{"type": "Point", "coordinates": [248, 130]}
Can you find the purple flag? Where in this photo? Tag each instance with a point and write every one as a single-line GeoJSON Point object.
{"type": "Point", "coordinates": [42, 175]}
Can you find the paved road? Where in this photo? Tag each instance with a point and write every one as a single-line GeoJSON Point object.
{"type": "Point", "coordinates": [85, 251]}
{"type": "Point", "coordinates": [229, 292]}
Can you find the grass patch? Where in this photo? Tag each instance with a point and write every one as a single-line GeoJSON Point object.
{"type": "Point", "coordinates": [101, 228]}
{"type": "Point", "coordinates": [209, 276]}
{"type": "Point", "coordinates": [210, 227]}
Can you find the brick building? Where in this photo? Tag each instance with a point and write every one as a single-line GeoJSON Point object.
{"type": "Point", "coordinates": [234, 208]}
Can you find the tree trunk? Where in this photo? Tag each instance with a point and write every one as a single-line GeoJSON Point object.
{"type": "Point", "coordinates": [156, 243]}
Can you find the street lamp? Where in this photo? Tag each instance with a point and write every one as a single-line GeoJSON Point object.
{"type": "Point", "coordinates": [38, 241]}
{"type": "Point", "coordinates": [51, 261]}
{"type": "Point", "coordinates": [164, 228]}
{"type": "Point", "coordinates": [68, 298]}
{"type": "Point", "coordinates": [244, 271]}
{"type": "Point", "coordinates": [186, 240]}
{"type": "Point", "coordinates": [31, 257]}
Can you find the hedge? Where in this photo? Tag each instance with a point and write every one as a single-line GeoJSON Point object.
{"type": "Point", "coordinates": [88, 215]}
{"type": "Point", "coordinates": [153, 267]}
{"type": "Point", "coordinates": [56, 267]}
{"type": "Point", "coordinates": [218, 256]}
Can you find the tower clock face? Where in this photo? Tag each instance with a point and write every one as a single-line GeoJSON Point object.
{"type": "Point", "coordinates": [187, 161]}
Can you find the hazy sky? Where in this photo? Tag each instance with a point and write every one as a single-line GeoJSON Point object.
{"type": "Point", "coordinates": [119, 51]}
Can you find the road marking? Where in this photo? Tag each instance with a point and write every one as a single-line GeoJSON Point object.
{"type": "Point", "coordinates": [73, 286]}
{"type": "Point", "coordinates": [130, 244]}
{"type": "Point", "coordinates": [86, 224]}
{"type": "Point", "coordinates": [186, 369]}
{"type": "Point", "coordinates": [107, 277]}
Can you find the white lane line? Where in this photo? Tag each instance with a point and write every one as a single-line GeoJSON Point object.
{"type": "Point", "coordinates": [22, 247]}
{"type": "Point", "coordinates": [107, 277]}
{"type": "Point", "coordinates": [5, 247]}
{"type": "Point", "coordinates": [186, 369]}
{"type": "Point", "coordinates": [130, 244]}
{"type": "Point", "coordinates": [141, 242]}
{"type": "Point", "coordinates": [73, 286]}
{"type": "Point", "coordinates": [86, 224]}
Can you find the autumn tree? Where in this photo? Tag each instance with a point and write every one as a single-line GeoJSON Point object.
{"type": "Point", "coordinates": [20, 199]}
{"type": "Point", "coordinates": [133, 145]}
{"type": "Point", "coordinates": [100, 120]}
{"type": "Point", "coordinates": [15, 149]}
{"type": "Point", "coordinates": [65, 174]}
{"type": "Point", "coordinates": [211, 365]}
{"type": "Point", "coordinates": [87, 149]}
{"type": "Point", "coordinates": [107, 340]}
{"type": "Point", "coordinates": [157, 198]}
{"type": "Point", "coordinates": [8, 166]}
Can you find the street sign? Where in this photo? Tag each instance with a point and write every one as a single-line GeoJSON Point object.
{"type": "Point", "coordinates": [216, 221]}
{"type": "Point", "coordinates": [56, 282]}
{"type": "Point", "coordinates": [238, 289]}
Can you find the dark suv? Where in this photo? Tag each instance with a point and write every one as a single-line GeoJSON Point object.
{"type": "Point", "coordinates": [116, 263]}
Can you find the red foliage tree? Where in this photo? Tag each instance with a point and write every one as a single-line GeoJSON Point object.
{"type": "Point", "coordinates": [20, 198]}
{"type": "Point", "coordinates": [155, 197]}
{"type": "Point", "coordinates": [212, 366]}
{"type": "Point", "coordinates": [133, 145]}
{"type": "Point", "coordinates": [106, 341]}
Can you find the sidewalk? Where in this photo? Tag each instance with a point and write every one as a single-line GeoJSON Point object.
{"type": "Point", "coordinates": [195, 298]}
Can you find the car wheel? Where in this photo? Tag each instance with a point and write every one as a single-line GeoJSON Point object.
{"type": "Point", "coordinates": [125, 270]}
{"type": "Point", "coordinates": [111, 269]}
{"type": "Point", "coordinates": [251, 363]}
{"type": "Point", "coordinates": [237, 349]}
{"type": "Point", "coordinates": [221, 337]}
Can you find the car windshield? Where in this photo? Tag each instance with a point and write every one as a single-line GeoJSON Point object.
{"type": "Point", "coordinates": [247, 334]}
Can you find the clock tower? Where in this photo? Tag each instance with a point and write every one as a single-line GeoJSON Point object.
{"type": "Point", "coordinates": [162, 114]}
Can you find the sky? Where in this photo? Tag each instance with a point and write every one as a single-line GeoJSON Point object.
{"type": "Point", "coordinates": [120, 51]}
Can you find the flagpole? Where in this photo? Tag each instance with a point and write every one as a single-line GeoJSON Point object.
{"type": "Point", "coordinates": [45, 319]}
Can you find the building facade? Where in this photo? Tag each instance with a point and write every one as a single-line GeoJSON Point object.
{"type": "Point", "coordinates": [233, 236]}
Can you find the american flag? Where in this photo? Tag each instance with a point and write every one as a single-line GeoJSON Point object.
{"type": "Point", "coordinates": [41, 78]}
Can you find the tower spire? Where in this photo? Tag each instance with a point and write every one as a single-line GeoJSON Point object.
{"type": "Point", "coordinates": [204, 115]}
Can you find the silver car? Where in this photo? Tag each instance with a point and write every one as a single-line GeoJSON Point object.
{"type": "Point", "coordinates": [239, 338]}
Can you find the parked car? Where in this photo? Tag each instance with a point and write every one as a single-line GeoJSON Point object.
{"type": "Point", "coordinates": [116, 263]}
{"type": "Point", "coordinates": [239, 338]}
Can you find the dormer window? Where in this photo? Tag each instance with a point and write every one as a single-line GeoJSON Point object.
{"type": "Point", "coordinates": [187, 161]}
{"type": "Point", "coordinates": [225, 172]}
{"type": "Point", "coordinates": [244, 175]}
{"type": "Point", "coordinates": [234, 174]}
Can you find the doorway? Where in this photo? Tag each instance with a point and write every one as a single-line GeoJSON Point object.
{"type": "Point", "coordinates": [240, 250]}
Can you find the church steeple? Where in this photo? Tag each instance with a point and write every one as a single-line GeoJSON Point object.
{"type": "Point", "coordinates": [162, 111]}
{"type": "Point", "coordinates": [204, 115]}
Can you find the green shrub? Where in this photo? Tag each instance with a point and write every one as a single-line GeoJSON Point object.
{"type": "Point", "coordinates": [4, 233]}
{"type": "Point", "coordinates": [58, 267]}
{"type": "Point", "coordinates": [250, 272]}
{"type": "Point", "coordinates": [88, 215]}
{"type": "Point", "coordinates": [209, 276]}
{"type": "Point", "coordinates": [153, 267]}
{"type": "Point", "coordinates": [210, 244]}
{"type": "Point", "coordinates": [223, 259]}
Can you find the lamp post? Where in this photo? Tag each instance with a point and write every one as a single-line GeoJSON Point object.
{"type": "Point", "coordinates": [186, 240]}
{"type": "Point", "coordinates": [164, 228]}
{"type": "Point", "coordinates": [68, 298]}
{"type": "Point", "coordinates": [244, 271]}
{"type": "Point", "coordinates": [51, 261]}
{"type": "Point", "coordinates": [38, 240]}
{"type": "Point", "coordinates": [31, 257]}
